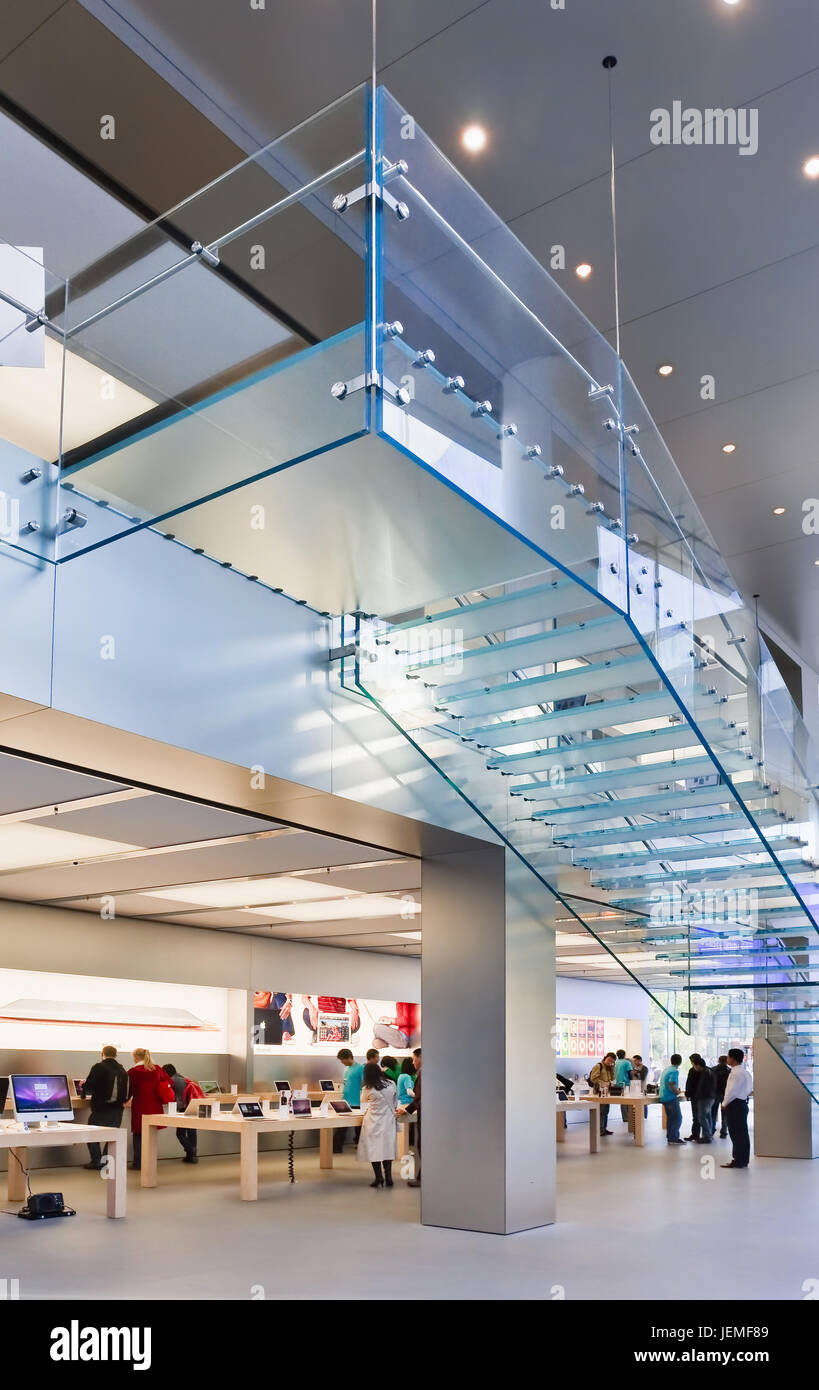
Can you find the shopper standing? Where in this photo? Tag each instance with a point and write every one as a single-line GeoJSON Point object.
{"type": "Point", "coordinates": [107, 1085]}
{"type": "Point", "coordinates": [692, 1081]}
{"type": "Point", "coordinates": [704, 1103]}
{"type": "Point", "coordinates": [602, 1074]}
{"type": "Point", "coordinates": [376, 1144]}
{"type": "Point", "coordinates": [183, 1090]}
{"type": "Point", "coordinates": [622, 1076]}
{"type": "Point", "coordinates": [414, 1108]}
{"type": "Point", "coordinates": [148, 1088]}
{"type": "Point", "coordinates": [720, 1072]}
{"type": "Point", "coordinates": [735, 1108]}
{"type": "Point", "coordinates": [669, 1092]}
{"type": "Point", "coordinates": [350, 1090]}
{"type": "Point", "coordinates": [406, 1082]}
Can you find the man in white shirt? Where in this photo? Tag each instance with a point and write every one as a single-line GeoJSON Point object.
{"type": "Point", "coordinates": [735, 1108]}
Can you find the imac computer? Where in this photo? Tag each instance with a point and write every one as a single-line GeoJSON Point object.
{"type": "Point", "coordinates": [41, 1098]}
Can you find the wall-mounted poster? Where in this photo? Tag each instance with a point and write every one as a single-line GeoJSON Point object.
{"type": "Point", "coordinates": [323, 1023]}
{"type": "Point", "coordinates": [587, 1037]}
{"type": "Point", "coordinates": [82, 1013]}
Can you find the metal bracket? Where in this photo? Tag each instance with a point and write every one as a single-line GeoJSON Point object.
{"type": "Point", "coordinates": [344, 201]}
{"type": "Point", "coordinates": [340, 390]}
{"type": "Point", "coordinates": [337, 653]}
{"type": "Point", "coordinates": [36, 321]}
{"type": "Point", "coordinates": [205, 253]}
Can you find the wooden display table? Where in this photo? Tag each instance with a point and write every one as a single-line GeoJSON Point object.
{"type": "Point", "coordinates": [594, 1121]}
{"type": "Point", "coordinates": [247, 1132]}
{"type": "Point", "coordinates": [59, 1136]}
{"type": "Point", "coordinates": [636, 1122]}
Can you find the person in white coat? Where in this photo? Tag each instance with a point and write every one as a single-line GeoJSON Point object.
{"type": "Point", "coordinates": [377, 1141]}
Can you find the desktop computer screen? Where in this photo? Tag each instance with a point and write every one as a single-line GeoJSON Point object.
{"type": "Point", "coordinates": [41, 1098]}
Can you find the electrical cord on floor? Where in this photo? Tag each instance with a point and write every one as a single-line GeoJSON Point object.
{"type": "Point", "coordinates": [291, 1142]}
{"type": "Point", "coordinates": [25, 1171]}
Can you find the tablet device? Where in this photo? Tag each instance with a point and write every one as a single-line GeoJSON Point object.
{"type": "Point", "coordinates": [78, 1085]}
{"type": "Point", "coordinates": [250, 1110]}
{"type": "Point", "coordinates": [327, 1085]}
{"type": "Point", "coordinates": [301, 1106]}
{"type": "Point", "coordinates": [283, 1086]}
{"type": "Point", "coordinates": [340, 1107]}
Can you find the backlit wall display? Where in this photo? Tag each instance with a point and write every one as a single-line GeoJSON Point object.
{"type": "Point", "coordinates": [322, 1023]}
{"type": "Point", "coordinates": [82, 1013]}
{"type": "Point", "coordinates": [578, 1036]}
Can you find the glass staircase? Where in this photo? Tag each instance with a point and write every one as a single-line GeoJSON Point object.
{"type": "Point", "coordinates": [459, 471]}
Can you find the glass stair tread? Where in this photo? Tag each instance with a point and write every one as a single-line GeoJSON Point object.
{"type": "Point", "coordinates": [679, 855]}
{"type": "Point", "coordinates": [645, 774]}
{"type": "Point", "coordinates": [522, 653]}
{"type": "Point", "coordinates": [674, 826]}
{"type": "Point", "coordinates": [504, 612]}
{"type": "Point", "coordinates": [602, 811]}
{"type": "Point", "coordinates": [630, 875]}
{"type": "Point", "coordinates": [602, 714]}
{"type": "Point", "coordinates": [618, 746]}
{"type": "Point", "coordinates": [593, 679]}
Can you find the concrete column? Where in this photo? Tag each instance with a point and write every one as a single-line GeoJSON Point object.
{"type": "Point", "coordinates": [786, 1117]}
{"type": "Point", "coordinates": [488, 1008]}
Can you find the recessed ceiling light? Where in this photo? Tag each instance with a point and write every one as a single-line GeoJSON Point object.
{"type": "Point", "coordinates": [810, 168]}
{"type": "Point", "coordinates": [665, 369]}
{"type": "Point", "coordinates": [584, 270]}
{"type": "Point", "coordinates": [731, 2]}
{"type": "Point", "coordinates": [474, 138]}
{"type": "Point", "coordinates": [816, 562]}
{"type": "Point", "coordinates": [778, 511]}
{"type": "Point", "coordinates": [729, 448]}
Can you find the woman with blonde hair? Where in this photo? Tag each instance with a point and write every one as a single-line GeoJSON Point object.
{"type": "Point", "coordinates": [149, 1088]}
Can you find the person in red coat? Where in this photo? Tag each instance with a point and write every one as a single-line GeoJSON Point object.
{"type": "Point", "coordinates": [148, 1089]}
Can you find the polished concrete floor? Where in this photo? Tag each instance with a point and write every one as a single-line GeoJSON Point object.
{"type": "Point", "coordinates": [632, 1224]}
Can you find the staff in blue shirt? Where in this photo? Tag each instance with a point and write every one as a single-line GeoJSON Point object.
{"type": "Point", "coordinates": [622, 1076]}
{"type": "Point", "coordinates": [669, 1093]}
{"type": "Point", "coordinates": [351, 1091]}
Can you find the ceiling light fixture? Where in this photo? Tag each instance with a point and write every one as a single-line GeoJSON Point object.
{"type": "Point", "coordinates": [810, 168]}
{"type": "Point", "coordinates": [474, 138]}
{"type": "Point", "coordinates": [729, 448]}
{"type": "Point", "coordinates": [778, 511]}
{"type": "Point", "coordinates": [584, 270]}
{"type": "Point", "coordinates": [665, 369]}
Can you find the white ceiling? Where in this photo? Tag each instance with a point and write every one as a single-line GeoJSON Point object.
{"type": "Point", "coordinates": [77, 842]}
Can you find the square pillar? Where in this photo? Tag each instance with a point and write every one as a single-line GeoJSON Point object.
{"type": "Point", "coordinates": [488, 1010]}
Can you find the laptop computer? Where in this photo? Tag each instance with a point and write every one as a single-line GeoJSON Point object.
{"type": "Point", "coordinates": [4, 1092]}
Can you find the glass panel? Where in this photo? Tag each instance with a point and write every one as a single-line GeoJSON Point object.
{"type": "Point", "coordinates": [504, 386]}
{"type": "Point", "coordinates": [216, 334]}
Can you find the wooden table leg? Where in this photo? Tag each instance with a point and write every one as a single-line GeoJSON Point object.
{"type": "Point", "coordinates": [249, 1163]}
{"type": "Point", "coordinates": [664, 1116]}
{"type": "Point", "coordinates": [116, 1175]}
{"type": "Point", "coordinates": [18, 1166]}
{"type": "Point", "coordinates": [403, 1140]}
{"type": "Point", "coordinates": [150, 1139]}
{"type": "Point", "coordinates": [594, 1129]}
{"type": "Point", "coordinates": [560, 1127]}
{"type": "Point", "coordinates": [325, 1148]}
{"type": "Point", "coordinates": [639, 1125]}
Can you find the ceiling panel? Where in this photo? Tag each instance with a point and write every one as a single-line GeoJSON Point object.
{"type": "Point", "coordinates": [25, 784]}
{"type": "Point", "coordinates": [158, 820]}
